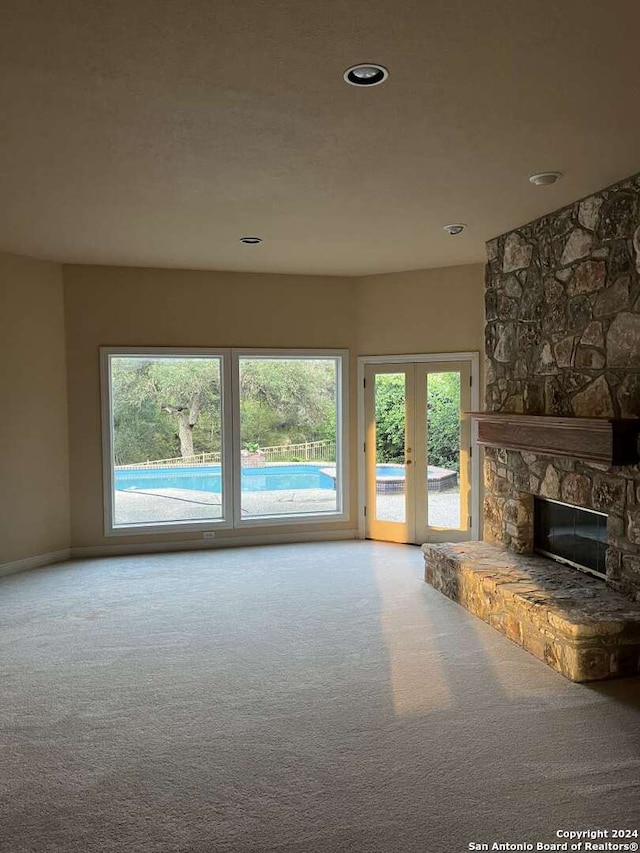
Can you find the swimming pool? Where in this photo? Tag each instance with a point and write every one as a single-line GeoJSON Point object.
{"type": "Point", "coordinates": [207, 478]}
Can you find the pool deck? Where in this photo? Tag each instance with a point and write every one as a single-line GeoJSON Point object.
{"type": "Point", "coordinates": [162, 505]}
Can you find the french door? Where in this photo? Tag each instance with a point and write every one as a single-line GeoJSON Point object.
{"type": "Point", "coordinates": [418, 451]}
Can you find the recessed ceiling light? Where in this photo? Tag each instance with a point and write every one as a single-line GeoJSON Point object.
{"type": "Point", "coordinates": [251, 241]}
{"type": "Point", "coordinates": [454, 229]}
{"type": "Point", "coordinates": [366, 74]}
{"type": "Point", "coordinates": [543, 179]}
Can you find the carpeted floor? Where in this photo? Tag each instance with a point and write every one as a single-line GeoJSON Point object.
{"type": "Point", "coordinates": [308, 698]}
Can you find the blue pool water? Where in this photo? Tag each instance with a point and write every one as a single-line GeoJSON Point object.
{"type": "Point", "coordinates": [383, 471]}
{"type": "Point", "coordinates": [207, 478]}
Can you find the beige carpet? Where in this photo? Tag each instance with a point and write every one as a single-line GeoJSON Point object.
{"type": "Point", "coordinates": [309, 698]}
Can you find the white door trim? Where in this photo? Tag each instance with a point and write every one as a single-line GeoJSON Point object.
{"type": "Point", "coordinates": [474, 360]}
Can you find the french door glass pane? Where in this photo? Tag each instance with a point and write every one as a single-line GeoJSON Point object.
{"type": "Point", "coordinates": [167, 439]}
{"type": "Point", "coordinates": [443, 449]}
{"type": "Point", "coordinates": [390, 423]}
{"type": "Point", "coordinates": [288, 428]}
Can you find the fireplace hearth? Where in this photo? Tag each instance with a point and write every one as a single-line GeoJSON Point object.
{"type": "Point", "coordinates": [569, 620]}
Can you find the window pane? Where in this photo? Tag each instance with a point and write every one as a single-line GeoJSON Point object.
{"type": "Point", "coordinates": [288, 430]}
{"type": "Point", "coordinates": [167, 439]}
{"type": "Point", "coordinates": [443, 449]}
{"type": "Point", "coordinates": [390, 406]}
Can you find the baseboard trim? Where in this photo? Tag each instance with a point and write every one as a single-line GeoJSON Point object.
{"type": "Point", "coordinates": [124, 549]}
{"type": "Point", "coordinates": [34, 562]}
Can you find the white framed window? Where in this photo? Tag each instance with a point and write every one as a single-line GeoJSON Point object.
{"type": "Point", "coordinates": [220, 438]}
{"type": "Point", "coordinates": [166, 430]}
{"type": "Point", "coordinates": [297, 401]}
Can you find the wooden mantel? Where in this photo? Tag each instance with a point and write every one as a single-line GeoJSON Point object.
{"type": "Point", "coordinates": [604, 440]}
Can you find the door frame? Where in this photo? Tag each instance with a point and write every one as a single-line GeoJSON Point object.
{"type": "Point", "coordinates": [473, 358]}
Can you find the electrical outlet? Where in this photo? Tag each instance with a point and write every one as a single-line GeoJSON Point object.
{"type": "Point", "coordinates": [209, 535]}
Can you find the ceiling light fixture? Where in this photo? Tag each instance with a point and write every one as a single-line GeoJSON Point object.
{"type": "Point", "coordinates": [251, 241]}
{"type": "Point", "coordinates": [366, 74]}
{"type": "Point", "coordinates": [544, 179]}
{"type": "Point", "coordinates": [454, 229]}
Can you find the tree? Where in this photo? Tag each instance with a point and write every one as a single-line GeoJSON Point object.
{"type": "Point", "coordinates": [165, 406]}
{"type": "Point", "coordinates": [183, 386]}
{"type": "Point", "coordinates": [287, 401]}
{"type": "Point", "coordinates": [140, 431]}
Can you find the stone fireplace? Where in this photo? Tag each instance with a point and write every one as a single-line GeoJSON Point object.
{"type": "Point", "coordinates": [562, 339]}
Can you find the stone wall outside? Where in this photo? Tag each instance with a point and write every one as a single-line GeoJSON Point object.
{"type": "Point", "coordinates": [562, 337]}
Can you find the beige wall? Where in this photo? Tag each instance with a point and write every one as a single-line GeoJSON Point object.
{"type": "Point", "coordinates": [427, 311]}
{"type": "Point", "coordinates": [431, 311]}
{"type": "Point", "coordinates": [34, 499]}
{"type": "Point", "coordinates": [142, 307]}
{"type": "Point", "coordinates": [439, 310]}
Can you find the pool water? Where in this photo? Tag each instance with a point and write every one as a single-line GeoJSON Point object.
{"type": "Point", "coordinates": [207, 478]}
{"type": "Point", "coordinates": [383, 471]}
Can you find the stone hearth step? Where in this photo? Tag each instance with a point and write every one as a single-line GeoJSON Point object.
{"type": "Point", "coordinates": [571, 621]}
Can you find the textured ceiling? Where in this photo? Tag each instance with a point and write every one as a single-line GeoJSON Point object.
{"type": "Point", "coordinates": [157, 133]}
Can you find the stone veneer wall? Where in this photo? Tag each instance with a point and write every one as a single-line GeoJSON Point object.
{"type": "Point", "coordinates": [563, 338]}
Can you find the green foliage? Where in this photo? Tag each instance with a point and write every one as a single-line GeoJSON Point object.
{"type": "Point", "coordinates": [287, 401]}
{"type": "Point", "coordinates": [390, 417]}
{"type": "Point", "coordinates": [143, 388]}
{"type": "Point", "coordinates": [282, 401]}
{"type": "Point", "coordinates": [443, 407]}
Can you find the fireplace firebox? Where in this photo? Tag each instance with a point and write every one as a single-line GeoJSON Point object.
{"type": "Point", "coordinates": [571, 535]}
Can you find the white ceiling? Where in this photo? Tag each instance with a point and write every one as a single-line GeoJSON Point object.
{"type": "Point", "coordinates": [157, 133]}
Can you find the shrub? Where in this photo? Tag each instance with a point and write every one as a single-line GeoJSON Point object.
{"type": "Point", "coordinates": [443, 409]}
